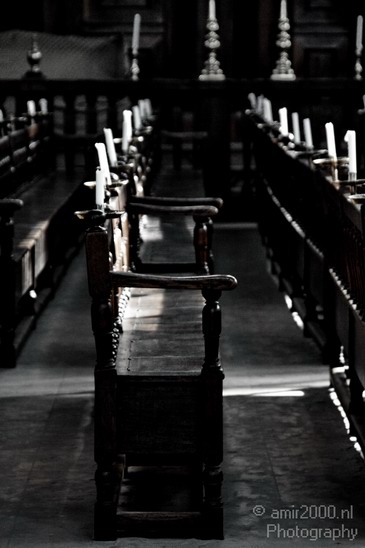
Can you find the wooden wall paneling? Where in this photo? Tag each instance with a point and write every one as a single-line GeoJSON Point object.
{"type": "Point", "coordinates": [320, 38]}
{"type": "Point", "coordinates": [268, 13]}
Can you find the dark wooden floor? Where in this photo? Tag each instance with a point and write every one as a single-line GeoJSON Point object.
{"type": "Point", "coordinates": [292, 475]}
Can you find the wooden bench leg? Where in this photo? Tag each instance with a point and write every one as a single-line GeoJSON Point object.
{"type": "Point", "coordinates": [212, 401]}
{"type": "Point", "coordinates": [7, 284]}
{"type": "Point", "coordinates": [212, 515]}
{"type": "Point", "coordinates": [109, 474]}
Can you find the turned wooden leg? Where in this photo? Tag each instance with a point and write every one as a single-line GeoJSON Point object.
{"type": "Point", "coordinates": [212, 402]}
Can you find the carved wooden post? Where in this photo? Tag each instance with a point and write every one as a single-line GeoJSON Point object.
{"type": "Point", "coordinates": [212, 402]}
{"type": "Point", "coordinates": [107, 475]}
{"type": "Point", "coordinates": [7, 282]}
{"type": "Point", "coordinates": [201, 244]}
{"type": "Point", "coordinates": [69, 129]}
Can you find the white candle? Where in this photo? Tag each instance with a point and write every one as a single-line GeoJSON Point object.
{"type": "Point", "coordinates": [350, 138]}
{"type": "Point", "coordinates": [136, 117]}
{"type": "Point", "coordinates": [99, 188]}
{"type": "Point", "coordinates": [359, 32]}
{"type": "Point", "coordinates": [126, 129]}
{"type": "Point", "coordinates": [148, 107]}
{"type": "Point", "coordinates": [43, 105]}
{"type": "Point", "coordinates": [331, 143]}
{"type": "Point", "coordinates": [283, 119]}
{"type": "Point", "coordinates": [283, 12]}
{"type": "Point", "coordinates": [296, 127]}
{"type": "Point", "coordinates": [31, 108]}
{"type": "Point", "coordinates": [267, 110]}
{"type": "Point", "coordinates": [260, 105]}
{"type": "Point", "coordinates": [110, 146]}
{"type": "Point", "coordinates": [142, 109]}
{"type": "Point", "coordinates": [307, 132]}
{"type": "Point", "coordinates": [103, 161]}
{"type": "Point", "coordinates": [136, 31]}
{"type": "Point", "coordinates": [212, 14]}
{"type": "Point", "coordinates": [252, 100]}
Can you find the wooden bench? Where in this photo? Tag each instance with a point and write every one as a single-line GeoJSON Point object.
{"type": "Point", "coordinates": [160, 442]}
{"type": "Point", "coordinates": [158, 397]}
{"type": "Point", "coordinates": [45, 232]}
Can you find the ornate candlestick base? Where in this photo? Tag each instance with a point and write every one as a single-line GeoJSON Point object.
{"type": "Point", "coordinates": [358, 65]}
{"type": "Point", "coordinates": [212, 70]}
{"type": "Point", "coordinates": [283, 70]}
{"type": "Point", "coordinates": [134, 67]}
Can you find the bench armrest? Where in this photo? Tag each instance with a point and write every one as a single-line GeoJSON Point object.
{"type": "Point", "coordinates": [178, 201]}
{"type": "Point", "coordinates": [8, 206]}
{"type": "Point", "coordinates": [218, 282]}
{"type": "Point", "coordinates": [152, 209]}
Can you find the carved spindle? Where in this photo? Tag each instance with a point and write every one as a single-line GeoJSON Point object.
{"type": "Point", "coordinates": [34, 57]}
{"type": "Point", "coordinates": [212, 386]}
{"type": "Point", "coordinates": [212, 327]}
{"type": "Point", "coordinates": [201, 244]}
{"type": "Point", "coordinates": [91, 114]}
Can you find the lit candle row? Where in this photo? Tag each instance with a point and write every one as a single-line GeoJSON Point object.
{"type": "Point", "coordinates": [31, 107]}
{"type": "Point", "coordinates": [107, 154]}
{"type": "Point", "coordinates": [263, 106]}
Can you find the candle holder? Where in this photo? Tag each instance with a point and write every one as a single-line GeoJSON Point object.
{"type": "Point", "coordinates": [134, 66]}
{"type": "Point", "coordinates": [283, 70]}
{"type": "Point", "coordinates": [336, 168]}
{"type": "Point", "coordinates": [357, 194]}
{"type": "Point", "coordinates": [212, 70]}
{"type": "Point", "coordinates": [358, 65]}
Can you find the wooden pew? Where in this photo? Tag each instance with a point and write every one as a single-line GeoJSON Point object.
{"type": "Point", "coordinates": [45, 232]}
{"type": "Point", "coordinates": [158, 400]}
{"type": "Point", "coordinates": [331, 217]}
{"type": "Point", "coordinates": [296, 208]}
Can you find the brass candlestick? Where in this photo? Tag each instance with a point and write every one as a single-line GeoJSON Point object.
{"type": "Point", "coordinates": [212, 70]}
{"type": "Point", "coordinates": [333, 167]}
{"type": "Point", "coordinates": [283, 70]}
{"type": "Point", "coordinates": [358, 65]}
{"type": "Point", "coordinates": [135, 66]}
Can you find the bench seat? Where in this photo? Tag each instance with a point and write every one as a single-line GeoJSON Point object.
{"type": "Point", "coordinates": [46, 235]}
